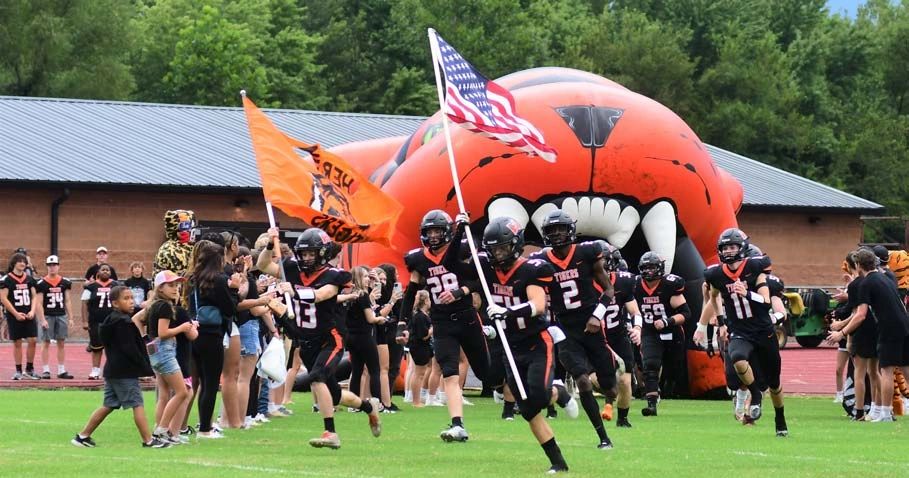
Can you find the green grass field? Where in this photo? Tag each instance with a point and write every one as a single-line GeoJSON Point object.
{"type": "Point", "coordinates": [689, 438]}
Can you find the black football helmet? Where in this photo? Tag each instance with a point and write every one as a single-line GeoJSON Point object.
{"type": "Point", "coordinates": [753, 251]}
{"type": "Point", "coordinates": [436, 219]}
{"type": "Point", "coordinates": [554, 238]}
{"type": "Point", "coordinates": [503, 231]}
{"type": "Point", "coordinates": [316, 240]}
{"type": "Point", "coordinates": [611, 255]}
{"type": "Point", "coordinates": [883, 255]}
{"type": "Point", "coordinates": [622, 266]}
{"type": "Point", "coordinates": [736, 237]}
{"type": "Point", "coordinates": [651, 266]}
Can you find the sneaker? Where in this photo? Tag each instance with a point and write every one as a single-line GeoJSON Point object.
{"type": "Point", "coordinates": [883, 418]}
{"type": "Point", "coordinates": [45, 376]}
{"type": "Point", "coordinates": [606, 414]}
{"type": "Point", "coordinates": [754, 412]}
{"type": "Point", "coordinates": [649, 411]}
{"type": "Point", "coordinates": [498, 397]}
{"type": "Point", "coordinates": [276, 414]}
{"type": "Point", "coordinates": [188, 431]}
{"type": "Point", "coordinates": [315, 409]}
{"type": "Point", "coordinates": [31, 375]}
{"type": "Point", "coordinates": [466, 402]}
{"type": "Point", "coordinates": [327, 440]}
{"type": "Point", "coordinates": [838, 398]}
{"type": "Point", "coordinates": [176, 439]}
{"type": "Point", "coordinates": [408, 397]}
{"type": "Point", "coordinates": [507, 416]}
{"type": "Point", "coordinates": [557, 469]}
{"type": "Point", "coordinates": [782, 432]}
{"type": "Point", "coordinates": [375, 426]}
{"type": "Point", "coordinates": [157, 443]}
{"type": "Point", "coordinates": [622, 423]}
{"type": "Point", "coordinates": [86, 442]}
{"type": "Point", "coordinates": [17, 376]}
{"type": "Point", "coordinates": [261, 418]}
{"type": "Point", "coordinates": [214, 434]}
{"type": "Point", "coordinates": [454, 433]}
{"type": "Point", "coordinates": [248, 422]}
{"type": "Point", "coordinates": [288, 412]}
{"type": "Point", "coordinates": [353, 410]}
{"type": "Point", "coordinates": [94, 377]}
{"type": "Point", "coordinates": [605, 444]}
{"type": "Point", "coordinates": [65, 376]}
{"type": "Point", "coordinates": [571, 408]}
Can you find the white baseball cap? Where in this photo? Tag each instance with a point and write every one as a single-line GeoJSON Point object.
{"type": "Point", "coordinates": [52, 260]}
{"type": "Point", "coordinates": [100, 249]}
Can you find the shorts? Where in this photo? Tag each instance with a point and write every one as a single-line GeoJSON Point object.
{"type": "Point", "coordinates": [122, 393]}
{"type": "Point", "coordinates": [164, 361]}
{"type": "Point", "coordinates": [582, 353]}
{"type": "Point", "coordinates": [766, 352]}
{"type": "Point", "coordinates": [94, 336]}
{"type": "Point", "coordinates": [451, 334]}
{"type": "Point", "coordinates": [321, 355]}
{"type": "Point", "coordinates": [249, 338]}
{"type": "Point", "coordinates": [535, 360]}
{"type": "Point", "coordinates": [842, 345]}
{"type": "Point", "coordinates": [864, 345]}
{"type": "Point", "coordinates": [420, 352]}
{"type": "Point", "coordinates": [234, 332]}
{"type": "Point", "coordinates": [21, 329]}
{"type": "Point", "coordinates": [893, 353]}
{"type": "Point", "coordinates": [382, 334]}
{"type": "Point", "coordinates": [57, 328]}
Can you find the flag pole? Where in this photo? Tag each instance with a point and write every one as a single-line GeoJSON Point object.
{"type": "Point", "coordinates": [436, 54]}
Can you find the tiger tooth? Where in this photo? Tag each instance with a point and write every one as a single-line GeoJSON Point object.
{"type": "Point", "coordinates": [659, 227]}
{"type": "Point", "coordinates": [540, 214]}
{"type": "Point", "coordinates": [508, 207]}
{"type": "Point", "coordinates": [624, 225]}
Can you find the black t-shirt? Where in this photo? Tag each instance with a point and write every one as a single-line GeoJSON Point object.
{"type": "Point", "coordinates": [572, 292]}
{"type": "Point", "coordinates": [18, 291]}
{"type": "Point", "coordinates": [881, 295]}
{"type": "Point", "coordinates": [97, 295]}
{"type": "Point", "coordinates": [744, 318]}
{"type": "Point", "coordinates": [442, 272]}
{"type": "Point", "coordinates": [510, 289]}
{"type": "Point", "coordinates": [616, 315]}
{"type": "Point", "coordinates": [868, 327]}
{"type": "Point", "coordinates": [54, 294]}
{"type": "Point", "coordinates": [93, 270]}
{"type": "Point", "coordinates": [356, 316]}
{"type": "Point", "coordinates": [160, 309]}
{"type": "Point", "coordinates": [140, 287]}
{"type": "Point", "coordinates": [655, 302]}
{"type": "Point", "coordinates": [244, 316]}
{"type": "Point", "coordinates": [314, 320]}
{"type": "Point", "coordinates": [419, 327]}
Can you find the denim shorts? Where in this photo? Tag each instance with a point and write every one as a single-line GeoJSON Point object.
{"type": "Point", "coordinates": [249, 338]}
{"type": "Point", "coordinates": [164, 361]}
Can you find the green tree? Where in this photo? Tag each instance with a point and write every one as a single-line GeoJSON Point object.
{"type": "Point", "coordinates": [74, 49]}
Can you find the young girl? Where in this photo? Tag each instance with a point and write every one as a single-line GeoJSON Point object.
{"type": "Point", "coordinates": [420, 349]}
{"type": "Point", "coordinates": [361, 340]}
{"type": "Point", "coordinates": [163, 331]}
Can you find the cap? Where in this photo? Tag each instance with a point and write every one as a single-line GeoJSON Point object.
{"type": "Point", "coordinates": [100, 248]}
{"type": "Point", "coordinates": [52, 260]}
{"type": "Point", "coordinates": [882, 254]}
{"type": "Point", "coordinates": [164, 277]}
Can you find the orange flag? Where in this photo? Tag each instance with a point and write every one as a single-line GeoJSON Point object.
{"type": "Point", "coordinates": [319, 187]}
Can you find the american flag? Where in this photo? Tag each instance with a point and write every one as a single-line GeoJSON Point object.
{"type": "Point", "coordinates": [480, 105]}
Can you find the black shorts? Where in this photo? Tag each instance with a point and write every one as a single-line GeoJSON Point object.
{"type": "Point", "coordinates": [420, 352]}
{"type": "Point", "coordinates": [495, 378]}
{"type": "Point", "coordinates": [864, 345]}
{"type": "Point", "coordinates": [893, 353]}
{"type": "Point", "coordinates": [765, 352]}
{"type": "Point", "coordinates": [462, 330]}
{"type": "Point", "coordinates": [535, 360]}
{"type": "Point", "coordinates": [382, 334]}
{"type": "Point", "coordinates": [620, 343]}
{"type": "Point", "coordinates": [21, 329]}
{"type": "Point", "coordinates": [582, 353]}
{"type": "Point", "coordinates": [94, 336]}
{"type": "Point", "coordinates": [732, 377]}
{"type": "Point", "coordinates": [321, 355]}
{"type": "Point", "coordinates": [841, 346]}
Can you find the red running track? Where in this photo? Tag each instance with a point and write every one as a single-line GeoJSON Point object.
{"type": "Point", "coordinates": [805, 371]}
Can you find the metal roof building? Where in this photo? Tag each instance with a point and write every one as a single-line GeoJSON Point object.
{"type": "Point", "coordinates": [63, 141]}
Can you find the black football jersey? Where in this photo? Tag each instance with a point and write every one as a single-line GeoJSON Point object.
{"type": "Point", "coordinates": [98, 296]}
{"type": "Point", "coordinates": [510, 288]}
{"type": "Point", "coordinates": [655, 302]}
{"type": "Point", "coordinates": [776, 285]}
{"type": "Point", "coordinates": [616, 314]}
{"type": "Point", "coordinates": [54, 292]}
{"type": "Point", "coordinates": [573, 296]}
{"type": "Point", "coordinates": [441, 273]}
{"type": "Point", "coordinates": [316, 319]}
{"type": "Point", "coordinates": [19, 291]}
{"type": "Point", "coordinates": [743, 319]}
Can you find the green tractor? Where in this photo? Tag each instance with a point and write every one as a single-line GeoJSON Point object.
{"type": "Point", "coordinates": [809, 311]}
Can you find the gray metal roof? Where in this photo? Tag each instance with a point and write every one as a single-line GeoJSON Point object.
{"type": "Point", "coordinates": [105, 142]}
{"type": "Point", "coordinates": [767, 186]}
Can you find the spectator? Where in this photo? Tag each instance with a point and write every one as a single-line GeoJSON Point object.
{"type": "Point", "coordinates": [101, 255]}
{"type": "Point", "coordinates": [127, 360]}
{"type": "Point", "coordinates": [138, 284]}
{"type": "Point", "coordinates": [53, 315]}
{"type": "Point", "coordinates": [19, 303]}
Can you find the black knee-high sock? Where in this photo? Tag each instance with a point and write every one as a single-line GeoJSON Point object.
{"type": "Point", "coordinates": [756, 394]}
{"type": "Point", "coordinates": [623, 413]}
{"type": "Point", "coordinates": [781, 417]}
{"type": "Point", "coordinates": [553, 452]}
{"type": "Point", "coordinates": [589, 402]}
{"type": "Point", "coordinates": [329, 424]}
{"type": "Point", "coordinates": [365, 406]}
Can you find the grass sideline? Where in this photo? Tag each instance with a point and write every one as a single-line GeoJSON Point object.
{"type": "Point", "coordinates": [689, 438]}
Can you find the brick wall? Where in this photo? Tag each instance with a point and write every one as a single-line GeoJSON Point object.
{"type": "Point", "coordinates": [807, 249]}
{"type": "Point", "coordinates": [129, 224]}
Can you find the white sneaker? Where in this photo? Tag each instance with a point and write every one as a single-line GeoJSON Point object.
{"type": "Point", "coordinates": [248, 422]}
{"type": "Point", "coordinates": [454, 433]}
{"type": "Point", "coordinates": [424, 395]}
{"type": "Point", "coordinates": [260, 418]}
{"type": "Point", "coordinates": [498, 397]}
{"type": "Point", "coordinates": [441, 398]}
{"type": "Point", "coordinates": [883, 418]}
{"type": "Point", "coordinates": [466, 402]}
{"type": "Point", "coordinates": [571, 408]}
{"type": "Point", "coordinates": [838, 398]}
{"type": "Point", "coordinates": [213, 434]}
{"type": "Point", "coordinates": [408, 397]}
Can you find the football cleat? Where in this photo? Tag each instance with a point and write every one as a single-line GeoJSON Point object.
{"type": "Point", "coordinates": [605, 444]}
{"type": "Point", "coordinates": [375, 426]}
{"type": "Point", "coordinates": [557, 469]}
{"type": "Point", "coordinates": [623, 423]}
{"type": "Point", "coordinates": [327, 440]}
{"type": "Point", "coordinates": [755, 412]}
{"type": "Point", "coordinates": [86, 442]}
{"type": "Point", "coordinates": [454, 433]}
{"type": "Point", "coordinates": [571, 408]}
{"type": "Point", "coordinates": [606, 414]}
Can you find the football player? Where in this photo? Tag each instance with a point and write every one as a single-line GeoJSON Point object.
{"type": "Point", "coordinates": [314, 287]}
{"type": "Point", "coordinates": [742, 284]}
{"type": "Point", "coordinates": [518, 288]}
{"type": "Point", "coordinates": [662, 302]}
{"type": "Point", "coordinates": [440, 268]}
{"type": "Point", "coordinates": [96, 306]}
{"type": "Point", "coordinates": [19, 304]}
{"type": "Point", "coordinates": [575, 304]}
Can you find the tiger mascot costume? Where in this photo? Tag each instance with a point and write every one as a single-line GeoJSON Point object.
{"type": "Point", "coordinates": [175, 253]}
{"type": "Point", "coordinates": [899, 264]}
